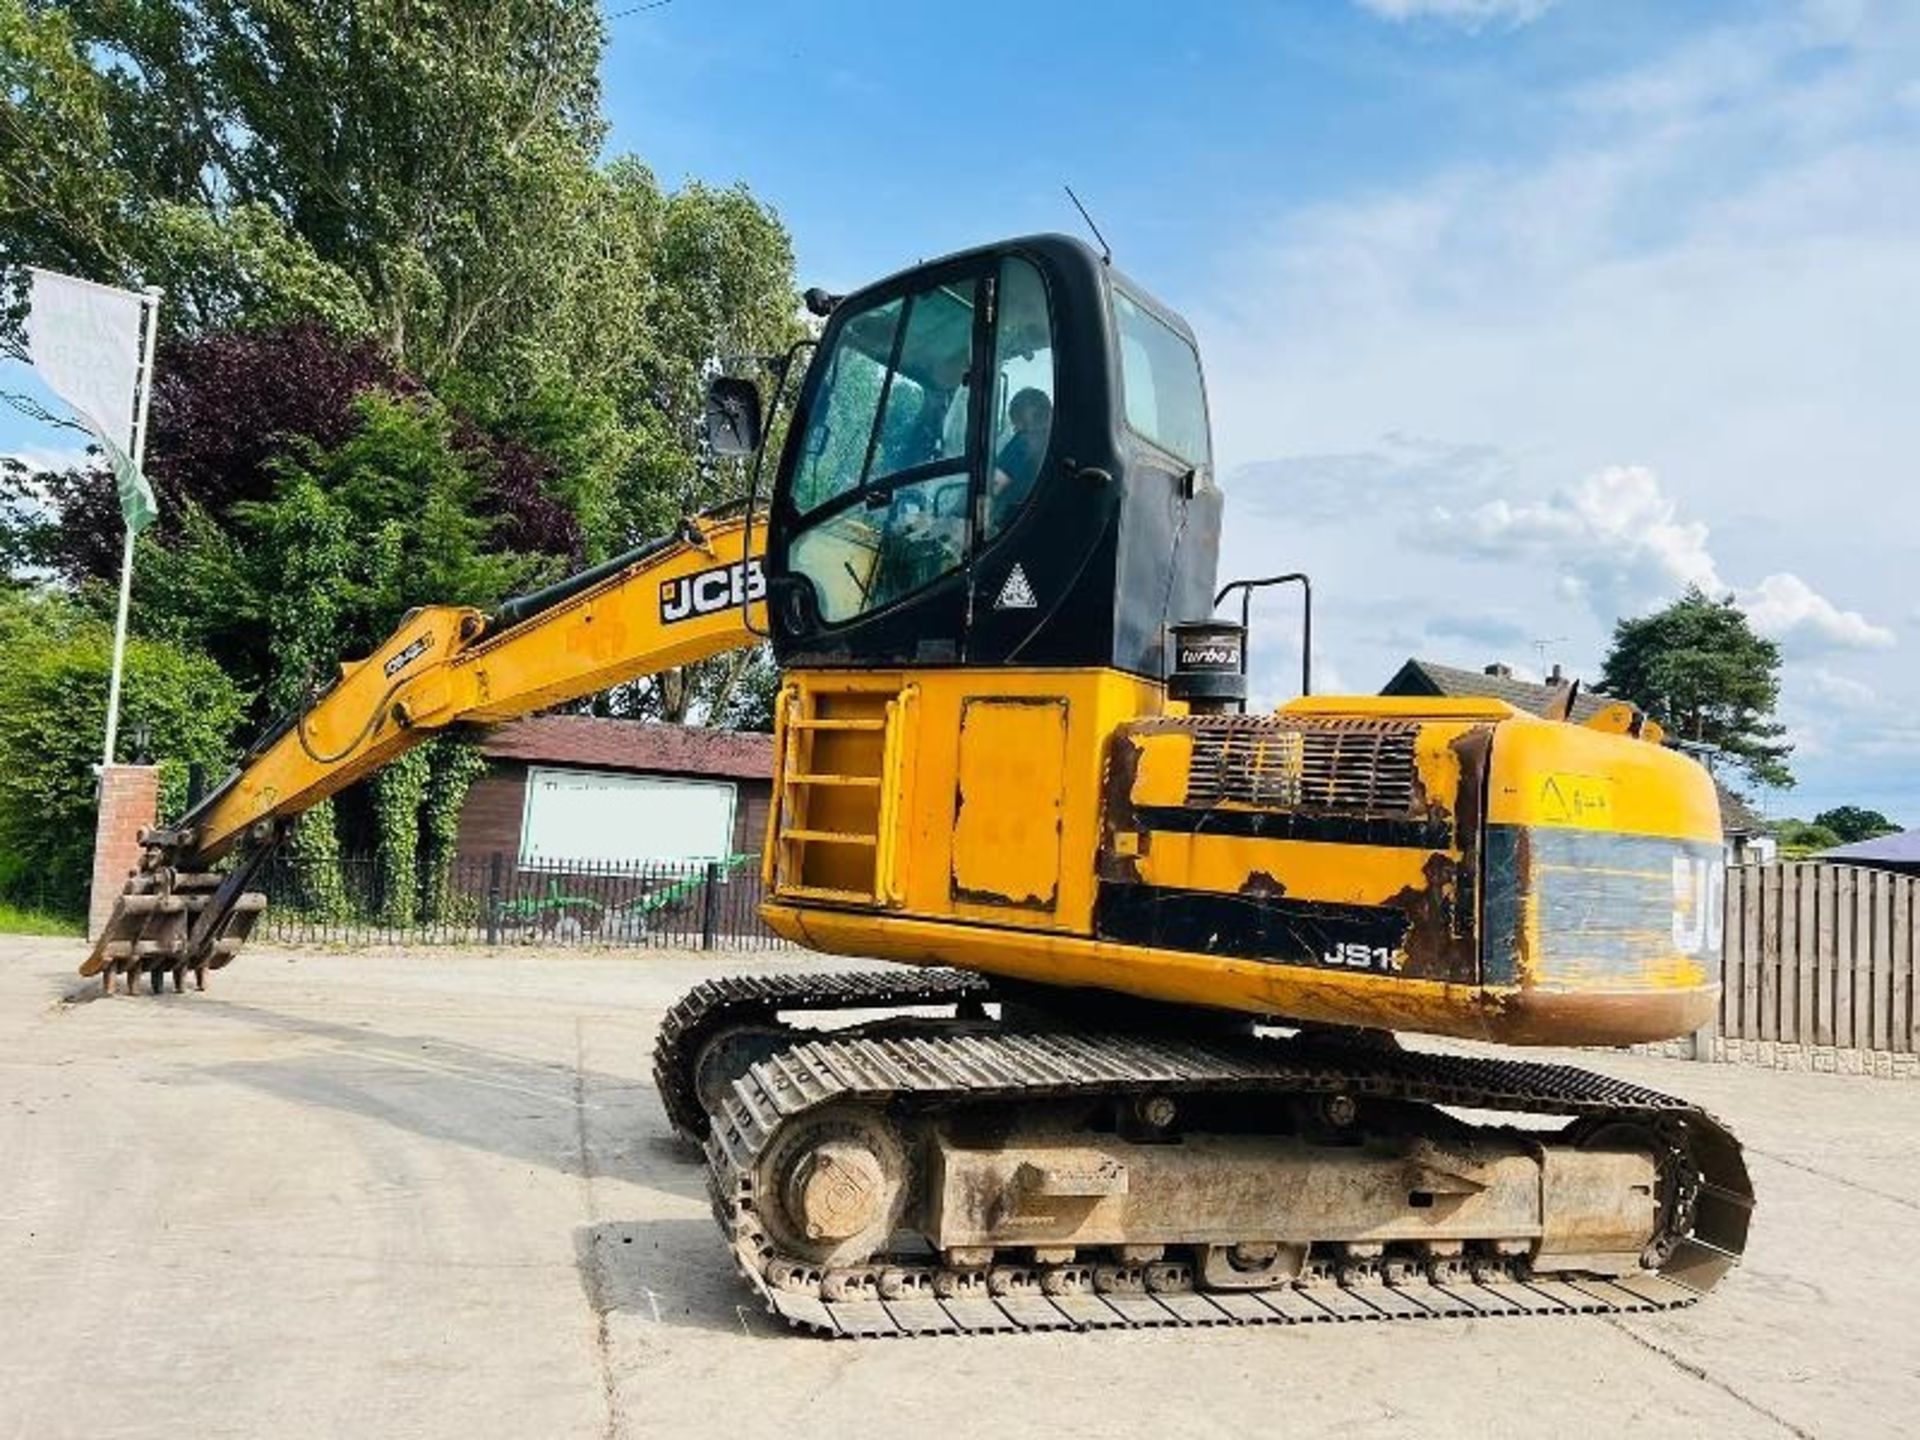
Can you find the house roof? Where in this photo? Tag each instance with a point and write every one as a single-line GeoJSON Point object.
{"type": "Point", "coordinates": [1424, 677]}
{"type": "Point", "coordinates": [1900, 849]}
{"type": "Point", "coordinates": [1736, 816]}
{"type": "Point", "coordinates": [594, 742]}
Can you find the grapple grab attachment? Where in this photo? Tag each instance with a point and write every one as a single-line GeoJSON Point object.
{"type": "Point", "coordinates": [170, 920]}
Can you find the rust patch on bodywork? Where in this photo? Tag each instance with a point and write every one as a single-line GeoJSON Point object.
{"type": "Point", "coordinates": [1263, 886]}
{"type": "Point", "coordinates": [1443, 939]}
{"type": "Point", "coordinates": [1117, 814]}
{"type": "Point", "coordinates": [1431, 949]}
{"type": "Point", "coordinates": [1473, 750]}
{"type": "Point", "coordinates": [1361, 784]}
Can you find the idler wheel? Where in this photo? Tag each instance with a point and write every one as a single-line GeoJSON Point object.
{"type": "Point", "coordinates": [836, 1191]}
{"type": "Point", "coordinates": [835, 1187]}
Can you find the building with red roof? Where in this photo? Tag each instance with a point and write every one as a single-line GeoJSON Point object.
{"type": "Point", "coordinates": [583, 790]}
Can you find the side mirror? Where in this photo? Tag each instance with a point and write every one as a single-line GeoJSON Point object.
{"type": "Point", "coordinates": [732, 420]}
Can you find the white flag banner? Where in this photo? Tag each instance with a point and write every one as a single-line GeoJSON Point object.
{"type": "Point", "coordinates": [84, 340]}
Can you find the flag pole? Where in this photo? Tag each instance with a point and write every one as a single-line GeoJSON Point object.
{"type": "Point", "coordinates": [126, 555]}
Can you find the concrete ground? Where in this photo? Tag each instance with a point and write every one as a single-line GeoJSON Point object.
{"type": "Point", "coordinates": [436, 1196]}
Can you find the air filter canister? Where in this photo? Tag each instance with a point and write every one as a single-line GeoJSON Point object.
{"type": "Point", "coordinates": [1209, 665]}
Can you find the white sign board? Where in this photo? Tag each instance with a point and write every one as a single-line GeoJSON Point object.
{"type": "Point", "coordinates": [605, 818]}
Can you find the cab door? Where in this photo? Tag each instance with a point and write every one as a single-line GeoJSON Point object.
{"type": "Point", "coordinates": [1028, 554]}
{"type": "Point", "coordinates": [873, 532]}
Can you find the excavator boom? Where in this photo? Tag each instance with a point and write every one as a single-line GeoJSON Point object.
{"type": "Point", "coordinates": [673, 601]}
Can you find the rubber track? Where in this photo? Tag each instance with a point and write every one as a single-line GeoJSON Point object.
{"type": "Point", "coordinates": [1021, 1066]}
{"type": "Point", "coordinates": [716, 1005]}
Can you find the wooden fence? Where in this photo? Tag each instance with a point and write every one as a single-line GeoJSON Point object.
{"type": "Point", "coordinates": [1822, 955]}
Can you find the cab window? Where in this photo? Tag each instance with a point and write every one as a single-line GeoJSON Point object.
{"type": "Point", "coordinates": [834, 450]}
{"type": "Point", "coordinates": [1023, 390]}
{"type": "Point", "coordinates": [880, 486]}
{"type": "Point", "coordinates": [1165, 400]}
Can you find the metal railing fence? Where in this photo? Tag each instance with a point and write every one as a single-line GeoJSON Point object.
{"type": "Point", "coordinates": [495, 900]}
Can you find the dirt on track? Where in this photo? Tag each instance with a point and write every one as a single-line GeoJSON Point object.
{"type": "Point", "coordinates": [434, 1194]}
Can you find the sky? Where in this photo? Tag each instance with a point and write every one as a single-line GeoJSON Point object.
{"type": "Point", "coordinates": [1518, 315]}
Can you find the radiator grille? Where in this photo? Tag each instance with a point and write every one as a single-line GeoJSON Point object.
{"type": "Point", "coordinates": [1357, 766]}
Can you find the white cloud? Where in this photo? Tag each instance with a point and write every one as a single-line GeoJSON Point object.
{"type": "Point", "coordinates": [1470, 13]}
{"type": "Point", "coordinates": [36, 459]}
{"type": "Point", "coordinates": [1394, 471]}
{"type": "Point", "coordinates": [1499, 635]}
{"type": "Point", "coordinates": [1809, 742]}
{"type": "Point", "coordinates": [1720, 67]}
{"type": "Point", "coordinates": [1842, 692]}
{"type": "Point", "coordinates": [1621, 543]}
{"type": "Point", "coordinates": [1786, 607]}
{"type": "Point", "coordinates": [1899, 740]}
{"type": "Point", "coordinates": [1616, 534]}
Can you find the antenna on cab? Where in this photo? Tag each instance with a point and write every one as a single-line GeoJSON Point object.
{"type": "Point", "coordinates": [1106, 250]}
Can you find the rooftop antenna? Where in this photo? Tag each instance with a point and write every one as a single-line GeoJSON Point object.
{"type": "Point", "coordinates": [1540, 648]}
{"type": "Point", "coordinates": [1106, 250]}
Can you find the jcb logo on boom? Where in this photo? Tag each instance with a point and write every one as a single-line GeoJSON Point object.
{"type": "Point", "coordinates": [724, 587]}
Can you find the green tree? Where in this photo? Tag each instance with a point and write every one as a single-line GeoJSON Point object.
{"type": "Point", "coordinates": [399, 792]}
{"type": "Point", "coordinates": [314, 846]}
{"type": "Point", "coordinates": [1699, 669]}
{"type": "Point", "coordinates": [244, 266]}
{"type": "Point", "coordinates": [426, 175]}
{"type": "Point", "coordinates": [63, 197]}
{"type": "Point", "coordinates": [54, 659]}
{"type": "Point", "coordinates": [418, 149]}
{"type": "Point", "coordinates": [1799, 838]}
{"type": "Point", "coordinates": [1851, 823]}
{"type": "Point", "coordinates": [352, 538]}
{"type": "Point", "coordinates": [749, 705]}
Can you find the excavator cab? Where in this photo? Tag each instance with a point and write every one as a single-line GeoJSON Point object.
{"type": "Point", "coordinates": [1001, 458]}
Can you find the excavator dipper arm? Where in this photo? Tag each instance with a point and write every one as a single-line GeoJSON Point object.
{"type": "Point", "coordinates": [671, 602]}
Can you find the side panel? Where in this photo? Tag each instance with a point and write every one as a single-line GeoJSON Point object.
{"type": "Point", "coordinates": [1006, 835]}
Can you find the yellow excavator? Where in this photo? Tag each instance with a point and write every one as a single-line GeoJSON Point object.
{"type": "Point", "coordinates": [1137, 1064]}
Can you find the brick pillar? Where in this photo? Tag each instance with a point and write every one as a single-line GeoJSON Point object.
{"type": "Point", "coordinates": [129, 803]}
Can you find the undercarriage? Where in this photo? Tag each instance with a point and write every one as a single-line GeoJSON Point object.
{"type": "Point", "coordinates": [948, 1158]}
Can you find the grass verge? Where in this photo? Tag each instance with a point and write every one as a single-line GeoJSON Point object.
{"type": "Point", "coordinates": [17, 921]}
